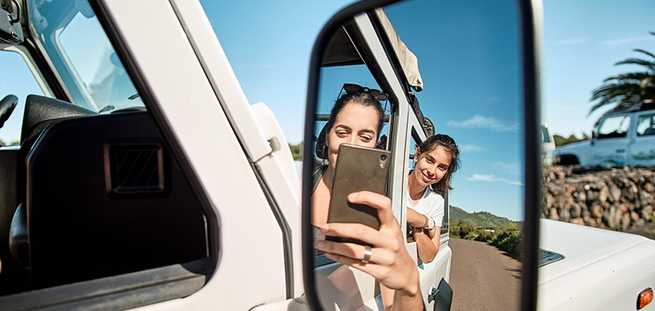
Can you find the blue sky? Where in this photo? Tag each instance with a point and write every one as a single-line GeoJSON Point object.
{"type": "Point", "coordinates": [582, 41]}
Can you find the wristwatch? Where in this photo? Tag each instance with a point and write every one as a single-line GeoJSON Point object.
{"type": "Point", "coordinates": [430, 223]}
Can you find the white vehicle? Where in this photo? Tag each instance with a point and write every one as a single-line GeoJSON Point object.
{"type": "Point", "coordinates": [625, 137]}
{"type": "Point", "coordinates": [595, 269]}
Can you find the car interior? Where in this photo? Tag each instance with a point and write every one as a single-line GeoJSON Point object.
{"type": "Point", "coordinates": [89, 195]}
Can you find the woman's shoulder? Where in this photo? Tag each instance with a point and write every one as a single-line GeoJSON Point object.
{"type": "Point", "coordinates": [434, 196]}
{"type": "Point", "coordinates": [431, 193]}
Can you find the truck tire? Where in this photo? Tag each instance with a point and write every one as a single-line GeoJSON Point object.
{"type": "Point", "coordinates": [568, 159]}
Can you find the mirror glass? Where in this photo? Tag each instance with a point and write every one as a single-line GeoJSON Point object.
{"type": "Point", "coordinates": [417, 182]}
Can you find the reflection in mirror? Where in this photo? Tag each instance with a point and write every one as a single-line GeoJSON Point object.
{"type": "Point", "coordinates": [417, 177]}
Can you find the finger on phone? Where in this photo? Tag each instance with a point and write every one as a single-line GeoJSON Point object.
{"type": "Point", "coordinates": [377, 201]}
{"type": "Point", "coordinates": [360, 232]}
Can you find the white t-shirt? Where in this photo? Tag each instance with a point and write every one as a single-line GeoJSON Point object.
{"type": "Point", "coordinates": [430, 204]}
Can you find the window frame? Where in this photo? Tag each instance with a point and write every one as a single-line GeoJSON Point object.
{"type": "Point", "coordinates": [649, 115]}
{"type": "Point", "coordinates": [611, 136]}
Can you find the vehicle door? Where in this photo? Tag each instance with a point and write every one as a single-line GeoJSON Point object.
{"type": "Point", "coordinates": [642, 140]}
{"type": "Point", "coordinates": [134, 186]}
{"type": "Point", "coordinates": [610, 140]}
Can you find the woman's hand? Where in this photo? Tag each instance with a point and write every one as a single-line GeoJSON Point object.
{"type": "Point", "coordinates": [389, 261]}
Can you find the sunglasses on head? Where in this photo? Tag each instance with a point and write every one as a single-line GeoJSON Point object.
{"type": "Point", "coordinates": [351, 88]}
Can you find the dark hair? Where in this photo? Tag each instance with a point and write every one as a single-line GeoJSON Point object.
{"type": "Point", "coordinates": [449, 144]}
{"type": "Point", "coordinates": [363, 98]}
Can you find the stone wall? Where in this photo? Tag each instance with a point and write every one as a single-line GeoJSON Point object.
{"type": "Point", "coordinates": [619, 199]}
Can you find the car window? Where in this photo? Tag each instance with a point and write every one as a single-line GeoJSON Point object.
{"type": "Point", "coordinates": [340, 79]}
{"type": "Point", "coordinates": [19, 81]}
{"type": "Point", "coordinates": [614, 127]}
{"type": "Point", "coordinates": [646, 125]}
{"type": "Point", "coordinates": [89, 68]}
{"type": "Point", "coordinates": [545, 136]}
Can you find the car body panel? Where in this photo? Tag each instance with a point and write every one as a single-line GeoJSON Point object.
{"type": "Point", "coordinates": [601, 269]}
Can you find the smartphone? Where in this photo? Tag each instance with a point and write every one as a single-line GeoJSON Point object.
{"type": "Point", "coordinates": [358, 169]}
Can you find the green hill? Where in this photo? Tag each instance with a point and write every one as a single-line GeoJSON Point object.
{"type": "Point", "coordinates": [480, 219]}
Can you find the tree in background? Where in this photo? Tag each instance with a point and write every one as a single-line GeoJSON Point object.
{"type": "Point", "coordinates": [296, 151]}
{"type": "Point", "coordinates": [561, 140]}
{"type": "Point", "coordinates": [628, 89]}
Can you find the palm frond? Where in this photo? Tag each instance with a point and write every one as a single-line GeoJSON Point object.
{"type": "Point", "coordinates": [644, 52]}
{"type": "Point", "coordinates": [637, 61]}
{"type": "Point", "coordinates": [636, 77]}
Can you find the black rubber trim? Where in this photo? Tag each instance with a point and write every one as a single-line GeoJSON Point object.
{"type": "Point", "coordinates": [532, 195]}
{"type": "Point", "coordinates": [147, 95]}
{"type": "Point", "coordinates": [287, 239]}
{"type": "Point", "coordinates": [320, 44]}
{"type": "Point", "coordinates": [118, 292]}
{"type": "Point", "coordinates": [49, 77]}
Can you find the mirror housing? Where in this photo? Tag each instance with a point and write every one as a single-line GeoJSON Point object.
{"type": "Point", "coordinates": [529, 23]}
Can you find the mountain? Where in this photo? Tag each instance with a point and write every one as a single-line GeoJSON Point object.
{"type": "Point", "coordinates": [479, 219]}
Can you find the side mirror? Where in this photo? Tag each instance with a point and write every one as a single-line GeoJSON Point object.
{"type": "Point", "coordinates": [453, 212]}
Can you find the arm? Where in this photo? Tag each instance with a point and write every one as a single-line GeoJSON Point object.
{"type": "Point", "coordinates": [427, 243]}
{"type": "Point", "coordinates": [389, 262]}
{"type": "Point", "coordinates": [427, 246]}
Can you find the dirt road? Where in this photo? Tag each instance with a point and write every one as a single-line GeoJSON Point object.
{"type": "Point", "coordinates": [483, 278]}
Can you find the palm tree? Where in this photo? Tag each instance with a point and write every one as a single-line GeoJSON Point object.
{"type": "Point", "coordinates": [628, 89]}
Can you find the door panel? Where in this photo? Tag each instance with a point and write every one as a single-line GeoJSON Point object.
{"type": "Point", "coordinates": [642, 142]}
{"type": "Point", "coordinates": [610, 147]}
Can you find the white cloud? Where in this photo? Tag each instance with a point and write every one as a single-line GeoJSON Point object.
{"type": "Point", "coordinates": [471, 148]}
{"type": "Point", "coordinates": [493, 178]}
{"type": "Point", "coordinates": [572, 41]}
{"type": "Point", "coordinates": [627, 40]}
{"type": "Point", "coordinates": [511, 168]}
{"type": "Point", "coordinates": [482, 122]}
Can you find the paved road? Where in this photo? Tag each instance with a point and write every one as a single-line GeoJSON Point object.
{"type": "Point", "coordinates": [483, 278]}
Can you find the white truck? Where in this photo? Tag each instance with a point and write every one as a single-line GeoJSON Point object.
{"type": "Point", "coordinates": [619, 137]}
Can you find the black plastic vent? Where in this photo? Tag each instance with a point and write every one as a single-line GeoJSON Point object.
{"type": "Point", "coordinates": [134, 168]}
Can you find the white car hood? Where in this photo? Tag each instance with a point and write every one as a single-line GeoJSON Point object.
{"type": "Point", "coordinates": [601, 269]}
{"type": "Point", "coordinates": [580, 145]}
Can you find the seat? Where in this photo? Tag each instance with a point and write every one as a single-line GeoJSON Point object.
{"type": "Point", "coordinates": [106, 197]}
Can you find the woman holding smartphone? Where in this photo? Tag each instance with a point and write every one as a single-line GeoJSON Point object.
{"type": "Point", "coordinates": [357, 118]}
{"type": "Point", "coordinates": [436, 158]}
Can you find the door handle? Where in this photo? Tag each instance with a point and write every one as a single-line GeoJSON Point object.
{"type": "Point", "coordinates": [620, 150]}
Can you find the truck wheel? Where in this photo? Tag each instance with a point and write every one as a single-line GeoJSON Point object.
{"type": "Point", "coordinates": [568, 159]}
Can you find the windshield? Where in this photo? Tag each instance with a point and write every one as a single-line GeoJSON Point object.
{"type": "Point", "coordinates": [76, 45]}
